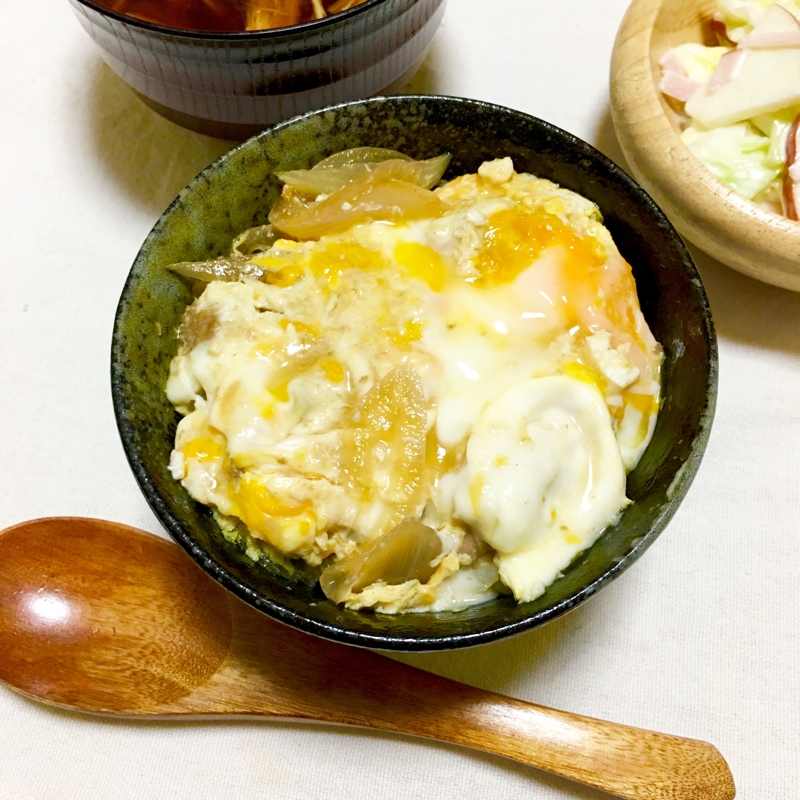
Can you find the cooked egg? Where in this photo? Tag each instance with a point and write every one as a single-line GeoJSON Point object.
{"type": "Point", "coordinates": [486, 371]}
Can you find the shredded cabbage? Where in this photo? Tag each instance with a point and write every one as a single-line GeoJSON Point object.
{"type": "Point", "coordinates": [748, 156]}
{"type": "Point", "coordinates": [699, 61]}
{"type": "Point", "coordinates": [737, 155]}
{"type": "Point", "coordinates": [741, 16]}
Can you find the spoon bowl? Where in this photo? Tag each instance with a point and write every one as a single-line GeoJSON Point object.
{"type": "Point", "coordinates": [117, 621]}
{"type": "Point", "coordinates": [121, 621]}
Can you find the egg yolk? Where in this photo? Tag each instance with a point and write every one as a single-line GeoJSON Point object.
{"type": "Point", "coordinates": [514, 239]}
{"type": "Point", "coordinates": [203, 449]}
{"type": "Point", "coordinates": [333, 370]}
{"type": "Point", "coordinates": [586, 374]}
{"type": "Point", "coordinates": [300, 327]}
{"type": "Point", "coordinates": [410, 332]}
{"type": "Point", "coordinates": [422, 262]}
{"type": "Point", "coordinates": [262, 512]}
{"type": "Point", "coordinates": [329, 264]}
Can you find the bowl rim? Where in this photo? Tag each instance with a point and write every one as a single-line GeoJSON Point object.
{"type": "Point", "coordinates": [425, 643]}
{"type": "Point", "coordinates": [755, 241]}
{"type": "Point", "coordinates": [262, 35]}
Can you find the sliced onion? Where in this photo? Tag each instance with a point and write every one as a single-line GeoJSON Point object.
{"type": "Point", "coordinates": [432, 169]}
{"type": "Point", "coordinates": [360, 155]}
{"type": "Point", "coordinates": [388, 192]}
{"type": "Point", "coordinates": [315, 182]}
{"type": "Point", "coordinates": [333, 172]}
{"type": "Point", "coordinates": [254, 240]}
{"type": "Point", "coordinates": [330, 179]}
{"type": "Point", "coordinates": [402, 554]}
{"type": "Point", "coordinates": [389, 435]}
{"type": "Point", "coordinates": [231, 268]}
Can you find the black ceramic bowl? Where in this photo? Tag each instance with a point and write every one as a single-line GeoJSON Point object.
{"type": "Point", "coordinates": [233, 85]}
{"type": "Point", "coordinates": [237, 192]}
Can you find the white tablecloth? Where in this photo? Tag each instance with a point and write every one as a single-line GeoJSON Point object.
{"type": "Point", "coordinates": [699, 638]}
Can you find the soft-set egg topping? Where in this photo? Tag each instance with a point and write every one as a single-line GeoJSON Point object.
{"type": "Point", "coordinates": [433, 409]}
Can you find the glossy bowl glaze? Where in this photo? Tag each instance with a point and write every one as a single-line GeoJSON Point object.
{"type": "Point", "coordinates": [738, 233]}
{"type": "Point", "coordinates": [237, 192]}
{"type": "Point", "coordinates": [233, 85]}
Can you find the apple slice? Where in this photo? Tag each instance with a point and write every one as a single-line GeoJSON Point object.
{"type": "Point", "coordinates": [765, 79]}
{"type": "Point", "coordinates": [791, 175]}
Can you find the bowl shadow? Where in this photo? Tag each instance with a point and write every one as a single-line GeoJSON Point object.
{"type": "Point", "coordinates": [748, 311]}
{"type": "Point", "coordinates": [150, 158]}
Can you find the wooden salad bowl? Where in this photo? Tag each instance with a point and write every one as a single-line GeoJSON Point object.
{"type": "Point", "coordinates": [737, 232]}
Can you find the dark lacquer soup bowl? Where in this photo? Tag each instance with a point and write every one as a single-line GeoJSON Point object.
{"type": "Point", "coordinates": [233, 84]}
{"type": "Point", "coordinates": [237, 192]}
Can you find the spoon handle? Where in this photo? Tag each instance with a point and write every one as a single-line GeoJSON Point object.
{"type": "Point", "coordinates": [316, 680]}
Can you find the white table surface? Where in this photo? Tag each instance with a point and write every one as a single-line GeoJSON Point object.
{"type": "Point", "coordinates": [699, 638]}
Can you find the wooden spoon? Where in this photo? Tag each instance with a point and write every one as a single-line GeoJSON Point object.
{"type": "Point", "coordinates": [101, 617]}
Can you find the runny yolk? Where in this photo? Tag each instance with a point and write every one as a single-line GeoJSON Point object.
{"type": "Point", "coordinates": [440, 459]}
{"type": "Point", "coordinates": [203, 449]}
{"type": "Point", "coordinates": [280, 392]}
{"type": "Point", "coordinates": [586, 374]}
{"type": "Point", "coordinates": [262, 512]}
{"type": "Point", "coordinates": [647, 405]}
{"type": "Point", "coordinates": [333, 370]}
{"type": "Point", "coordinates": [255, 500]}
{"type": "Point", "coordinates": [329, 264]}
{"type": "Point", "coordinates": [286, 275]}
{"type": "Point", "coordinates": [514, 239]}
{"type": "Point", "coordinates": [422, 262]}
{"type": "Point", "coordinates": [300, 327]}
{"type": "Point", "coordinates": [410, 332]}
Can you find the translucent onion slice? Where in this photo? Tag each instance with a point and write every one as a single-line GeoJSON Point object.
{"type": "Point", "coordinates": [402, 554]}
{"type": "Point", "coordinates": [384, 448]}
{"type": "Point", "coordinates": [266, 14]}
{"type": "Point", "coordinates": [360, 155]}
{"type": "Point", "coordinates": [343, 5]}
{"type": "Point", "coordinates": [254, 240]}
{"type": "Point", "coordinates": [388, 192]}
{"type": "Point", "coordinates": [329, 179]}
{"type": "Point", "coordinates": [230, 268]}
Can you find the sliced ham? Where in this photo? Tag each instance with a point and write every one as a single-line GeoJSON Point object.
{"type": "Point", "coordinates": [674, 82]}
{"type": "Point", "coordinates": [671, 63]}
{"type": "Point", "coordinates": [727, 69]}
{"type": "Point", "coordinates": [678, 86]}
{"type": "Point", "coordinates": [791, 178]}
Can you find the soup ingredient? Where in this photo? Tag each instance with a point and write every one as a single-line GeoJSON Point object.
{"type": "Point", "coordinates": [741, 99]}
{"type": "Point", "coordinates": [431, 396]}
{"type": "Point", "coordinates": [228, 16]}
